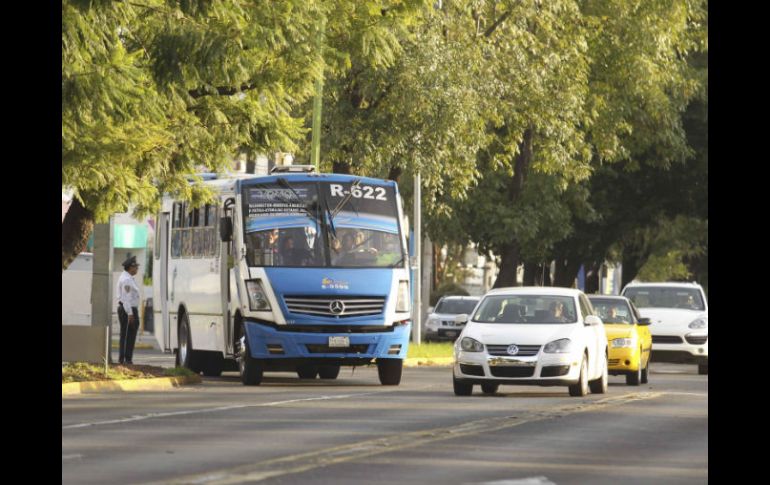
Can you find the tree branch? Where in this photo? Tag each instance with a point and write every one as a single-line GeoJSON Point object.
{"type": "Point", "coordinates": [222, 91]}
{"type": "Point", "coordinates": [497, 23]}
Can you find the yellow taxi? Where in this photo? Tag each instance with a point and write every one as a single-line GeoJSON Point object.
{"type": "Point", "coordinates": [629, 341]}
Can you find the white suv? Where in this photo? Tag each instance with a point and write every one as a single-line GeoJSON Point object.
{"type": "Point", "coordinates": [441, 322]}
{"type": "Point", "coordinates": [680, 316]}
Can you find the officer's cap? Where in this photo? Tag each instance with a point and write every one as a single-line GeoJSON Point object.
{"type": "Point", "coordinates": [130, 262]}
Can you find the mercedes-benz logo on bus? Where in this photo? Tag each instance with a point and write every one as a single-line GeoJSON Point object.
{"type": "Point", "coordinates": [512, 349]}
{"type": "Point", "coordinates": [337, 307]}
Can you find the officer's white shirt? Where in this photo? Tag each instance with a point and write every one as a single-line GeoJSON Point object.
{"type": "Point", "coordinates": [128, 291]}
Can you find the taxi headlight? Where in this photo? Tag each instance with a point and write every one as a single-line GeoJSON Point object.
{"type": "Point", "coordinates": [622, 343]}
{"type": "Point", "coordinates": [257, 296]}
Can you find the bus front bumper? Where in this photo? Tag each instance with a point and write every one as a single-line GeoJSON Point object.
{"type": "Point", "coordinates": [269, 342]}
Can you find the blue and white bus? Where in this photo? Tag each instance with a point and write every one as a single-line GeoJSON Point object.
{"type": "Point", "coordinates": [297, 272]}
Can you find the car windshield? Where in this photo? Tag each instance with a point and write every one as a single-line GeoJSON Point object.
{"type": "Point", "coordinates": [545, 309]}
{"type": "Point", "coordinates": [612, 310]}
{"type": "Point", "coordinates": [665, 297]}
{"type": "Point", "coordinates": [455, 306]}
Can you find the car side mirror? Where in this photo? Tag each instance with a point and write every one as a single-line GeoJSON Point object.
{"type": "Point", "coordinates": [226, 228]}
{"type": "Point", "coordinates": [644, 321]}
{"type": "Point", "coordinates": [592, 320]}
{"type": "Point", "coordinates": [461, 318]}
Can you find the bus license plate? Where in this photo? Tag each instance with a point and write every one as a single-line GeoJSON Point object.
{"type": "Point", "coordinates": [339, 341]}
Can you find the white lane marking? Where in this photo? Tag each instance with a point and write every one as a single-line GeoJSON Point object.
{"type": "Point", "coordinates": [678, 393]}
{"type": "Point", "coordinates": [71, 457]}
{"type": "Point", "coordinates": [541, 480]}
{"type": "Point", "coordinates": [211, 410]}
{"type": "Point", "coordinates": [325, 457]}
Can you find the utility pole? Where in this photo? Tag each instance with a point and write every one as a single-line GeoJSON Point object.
{"type": "Point", "coordinates": [417, 310]}
{"type": "Point", "coordinates": [315, 145]}
{"type": "Point", "coordinates": [101, 282]}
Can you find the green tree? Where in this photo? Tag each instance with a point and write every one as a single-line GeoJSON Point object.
{"type": "Point", "coordinates": [152, 90]}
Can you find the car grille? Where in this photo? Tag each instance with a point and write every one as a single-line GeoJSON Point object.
{"type": "Point", "coordinates": [502, 371]}
{"type": "Point", "coordinates": [352, 306]}
{"type": "Point", "coordinates": [524, 350]}
{"type": "Point", "coordinates": [613, 362]}
{"type": "Point", "coordinates": [472, 370]}
{"type": "Point", "coordinates": [699, 340]}
{"type": "Point", "coordinates": [666, 339]}
{"type": "Point", "coordinates": [325, 349]}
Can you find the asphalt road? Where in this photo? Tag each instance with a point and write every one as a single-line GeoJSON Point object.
{"type": "Point", "coordinates": [354, 430]}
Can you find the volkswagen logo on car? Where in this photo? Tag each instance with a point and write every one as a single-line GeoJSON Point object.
{"type": "Point", "coordinates": [512, 349]}
{"type": "Point", "coordinates": [337, 307]}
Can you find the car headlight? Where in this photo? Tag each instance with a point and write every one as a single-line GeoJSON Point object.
{"type": "Point", "coordinates": [699, 323]}
{"type": "Point", "coordinates": [402, 303]}
{"type": "Point", "coordinates": [561, 346]}
{"type": "Point", "coordinates": [257, 296]}
{"type": "Point", "coordinates": [470, 345]}
{"type": "Point", "coordinates": [623, 342]}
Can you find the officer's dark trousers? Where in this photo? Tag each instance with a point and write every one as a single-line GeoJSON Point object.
{"type": "Point", "coordinates": [127, 334]}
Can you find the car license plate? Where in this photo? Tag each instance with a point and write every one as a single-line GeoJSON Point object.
{"type": "Point", "coordinates": [339, 341]}
{"type": "Point", "coordinates": [451, 333]}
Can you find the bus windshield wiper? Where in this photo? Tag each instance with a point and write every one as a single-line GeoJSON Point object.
{"type": "Point", "coordinates": [283, 183]}
{"type": "Point", "coordinates": [347, 199]}
{"type": "Point", "coordinates": [399, 262]}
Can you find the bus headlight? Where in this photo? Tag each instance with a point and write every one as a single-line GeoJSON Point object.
{"type": "Point", "coordinates": [257, 296]}
{"type": "Point", "coordinates": [402, 303]}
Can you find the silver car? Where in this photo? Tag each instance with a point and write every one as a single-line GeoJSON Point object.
{"type": "Point", "coordinates": [442, 323]}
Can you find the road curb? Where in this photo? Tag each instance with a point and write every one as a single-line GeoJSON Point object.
{"type": "Point", "coordinates": [137, 346]}
{"type": "Point", "coordinates": [128, 385]}
{"type": "Point", "coordinates": [429, 361]}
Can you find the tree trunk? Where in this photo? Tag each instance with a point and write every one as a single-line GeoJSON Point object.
{"type": "Point", "coordinates": [631, 268]}
{"type": "Point", "coordinates": [341, 167]}
{"type": "Point", "coordinates": [394, 173]}
{"type": "Point", "coordinates": [530, 274]}
{"type": "Point", "coordinates": [592, 277]}
{"type": "Point", "coordinates": [76, 228]}
{"type": "Point", "coordinates": [566, 272]}
{"type": "Point", "coordinates": [509, 261]}
{"type": "Point", "coordinates": [545, 274]}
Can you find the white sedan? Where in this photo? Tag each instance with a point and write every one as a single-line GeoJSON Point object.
{"type": "Point", "coordinates": [532, 336]}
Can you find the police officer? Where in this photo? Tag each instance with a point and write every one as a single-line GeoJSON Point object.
{"type": "Point", "coordinates": [128, 310]}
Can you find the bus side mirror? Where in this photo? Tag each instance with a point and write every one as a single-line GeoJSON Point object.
{"type": "Point", "coordinates": [226, 228]}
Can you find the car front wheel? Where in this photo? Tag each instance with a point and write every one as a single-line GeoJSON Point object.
{"type": "Point", "coordinates": [489, 388]}
{"type": "Point", "coordinates": [461, 388]}
{"type": "Point", "coordinates": [580, 388]}
{"type": "Point", "coordinates": [646, 373]}
{"type": "Point", "coordinates": [599, 386]}
{"type": "Point", "coordinates": [703, 369]}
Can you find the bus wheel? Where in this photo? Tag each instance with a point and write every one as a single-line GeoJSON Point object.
{"type": "Point", "coordinates": [185, 355]}
{"type": "Point", "coordinates": [213, 364]}
{"type": "Point", "coordinates": [390, 371]}
{"type": "Point", "coordinates": [328, 371]}
{"type": "Point", "coordinates": [307, 371]}
{"type": "Point", "coordinates": [249, 367]}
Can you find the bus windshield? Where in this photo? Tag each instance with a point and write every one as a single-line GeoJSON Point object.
{"type": "Point", "coordinates": [321, 224]}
